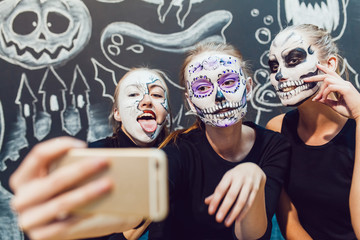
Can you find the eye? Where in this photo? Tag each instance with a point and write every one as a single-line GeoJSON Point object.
{"type": "Point", "coordinates": [202, 87]}
{"type": "Point", "coordinates": [274, 66]}
{"type": "Point", "coordinates": [157, 95]}
{"type": "Point", "coordinates": [133, 94]}
{"type": "Point", "coordinates": [25, 23]}
{"type": "Point", "coordinates": [229, 82]}
{"type": "Point", "coordinates": [293, 61]}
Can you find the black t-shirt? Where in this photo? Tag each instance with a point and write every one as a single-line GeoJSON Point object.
{"type": "Point", "coordinates": [195, 170]}
{"type": "Point", "coordinates": [320, 179]}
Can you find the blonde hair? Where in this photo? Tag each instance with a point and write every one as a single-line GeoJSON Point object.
{"type": "Point", "coordinates": [322, 40]}
{"type": "Point", "coordinates": [116, 125]}
{"type": "Point", "coordinates": [200, 48]}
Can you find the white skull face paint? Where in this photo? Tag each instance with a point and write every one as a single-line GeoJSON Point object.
{"type": "Point", "coordinates": [216, 88]}
{"type": "Point", "coordinates": [142, 105]}
{"type": "Point", "coordinates": [291, 59]}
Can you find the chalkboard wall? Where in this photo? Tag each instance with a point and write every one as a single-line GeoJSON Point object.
{"type": "Point", "coordinates": [60, 61]}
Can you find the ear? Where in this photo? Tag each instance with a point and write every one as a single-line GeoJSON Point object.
{"type": "Point", "coordinates": [332, 63]}
{"type": "Point", "coordinates": [191, 105]}
{"type": "Point", "coordinates": [117, 115]}
{"type": "Point", "coordinates": [249, 83]}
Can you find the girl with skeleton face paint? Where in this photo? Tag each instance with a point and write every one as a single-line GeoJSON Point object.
{"type": "Point", "coordinates": [304, 65]}
{"type": "Point", "coordinates": [140, 112]}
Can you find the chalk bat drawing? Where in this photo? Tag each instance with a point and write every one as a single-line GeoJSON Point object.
{"type": "Point", "coordinates": [115, 38]}
{"type": "Point", "coordinates": [41, 33]}
{"type": "Point", "coordinates": [106, 77]}
{"type": "Point", "coordinates": [79, 91]}
{"type": "Point", "coordinates": [9, 229]}
{"type": "Point", "coordinates": [328, 14]}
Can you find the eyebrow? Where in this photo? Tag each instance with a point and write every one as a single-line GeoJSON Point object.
{"type": "Point", "coordinates": [154, 85]}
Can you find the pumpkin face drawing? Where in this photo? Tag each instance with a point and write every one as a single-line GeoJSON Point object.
{"type": "Point", "coordinates": [39, 33]}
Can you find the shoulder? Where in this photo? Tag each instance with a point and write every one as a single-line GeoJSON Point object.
{"type": "Point", "coordinates": [102, 143]}
{"type": "Point", "coordinates": [275, 123]}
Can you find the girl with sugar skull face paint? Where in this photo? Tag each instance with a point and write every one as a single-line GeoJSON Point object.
{"type": "Point", "coordinates": [220, 167]}
{"type": "Point", "coordinates": [304, 64]}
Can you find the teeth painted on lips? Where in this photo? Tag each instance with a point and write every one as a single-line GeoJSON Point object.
{"type": "Point", "coordinates": [287, 92]}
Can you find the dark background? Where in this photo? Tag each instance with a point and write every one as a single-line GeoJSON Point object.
{"type": "Point", "coordinates": [72, 95]}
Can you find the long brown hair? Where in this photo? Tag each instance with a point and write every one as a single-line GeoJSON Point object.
{"type": "Point", "coordinates": [223, 48]}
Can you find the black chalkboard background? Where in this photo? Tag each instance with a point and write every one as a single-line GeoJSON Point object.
{"type": "Point", "coordinates": [42, 97]}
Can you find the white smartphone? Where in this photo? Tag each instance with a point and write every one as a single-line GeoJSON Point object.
{"type": "Point", "coordinates": [140, 177]}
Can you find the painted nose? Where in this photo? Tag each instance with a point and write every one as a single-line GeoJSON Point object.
{"type": "Point", "coordinates": [279, 76]}
{"type": "Point", "coordinates": [146, 101]}
{"type": "Point", "coordinates": [219, 96]}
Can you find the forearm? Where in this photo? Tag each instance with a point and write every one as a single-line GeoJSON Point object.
{"type": "Point", "coordinates": [288, 219]}
{"type": "Point", "coordinates": [253, 225]}
{"type": "Point", "coordinates": [355, 186]}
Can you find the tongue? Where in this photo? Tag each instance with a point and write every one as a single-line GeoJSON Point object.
{"type": "Point", "coordinates": [148, 125]}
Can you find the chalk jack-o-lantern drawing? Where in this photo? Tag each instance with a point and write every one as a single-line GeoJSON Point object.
{"type": "Point", "coordinates": [39, 33]}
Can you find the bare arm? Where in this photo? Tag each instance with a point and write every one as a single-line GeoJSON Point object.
{"type": "Point", "coordinates": [347, 104]}
{"type": "Point", "coordinates": [286, 213]}
{"type": "Point", "coordinates": [355, 185]}
{"type": "Point", "coordinates": [242, 193]}
{"type": "Point", "coordinates": [288, 220]}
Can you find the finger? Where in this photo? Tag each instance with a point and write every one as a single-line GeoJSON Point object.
{"type": "Point", "coordinates": [316, 78]}
{"type": "Point", "coordinates": [39, 158]}
{"type": "Point", "coordinates": [219, 193]}
{"type": "Point", "coordinates": [55, 230]}
{"type": "Point", "coordinates": [230, 199]}
{"type": "Point", "coordinates": [320, 92]}
{"type": "Point", "coordinates": [60, 180]}
{"type": "Point", "coordinates": [209, 199]}
{"type": "Point", "coordinates": [326, 70]}
{"type": "Point", "coordinates": [244, 199]}
{"type": "Point", "coordinates": [248, 204]}
{"type": "Point", "coordinates": [64, 204]}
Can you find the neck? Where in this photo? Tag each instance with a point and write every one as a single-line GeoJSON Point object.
{"type": "Point", "coordinates": [318, 123]}
{"type": "Point", "coordinates": [232, 143]}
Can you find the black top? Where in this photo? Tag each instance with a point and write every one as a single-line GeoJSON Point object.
{"type": "Point", "coordinates": [320, 179]}
{"type": "Point", "coordinates": [119, 140]}
{"type": "Point", "coordinates": [195, 169]}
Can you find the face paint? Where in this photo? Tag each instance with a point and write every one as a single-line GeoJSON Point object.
{"type": "Point", "coordinates": [291, 59]}
{"type": "Point", "coordinates": [216, 88]}
{"type": "Point", "coordinates": [143, 105]}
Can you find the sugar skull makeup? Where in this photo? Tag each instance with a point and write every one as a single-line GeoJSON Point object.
{"type": "Point", "coordinates": [142, 106]}
{"type": "Point", "coordinates": [292, 59]}
{"type": "Point", "coordinates": [216, 88]}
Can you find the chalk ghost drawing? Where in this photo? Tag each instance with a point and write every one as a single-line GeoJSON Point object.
{"type": "Point", "coordinates": [40, 33]}
{"type": "Point", "coordinates": [165, 6]}
{"type": "Point", "coordinates": [125, 37]}
{"type": "Point", "coordinates": [328, 14]}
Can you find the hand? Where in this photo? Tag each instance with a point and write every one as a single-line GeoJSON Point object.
{"type": "Point", "coordinates": [348, 98]}
{"type": "Point", "coordinates": [238, 189]}
{"type": "Point", "coordinates": [44, 200]}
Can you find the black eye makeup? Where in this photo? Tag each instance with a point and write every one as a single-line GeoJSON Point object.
{"type": "Point", "coordinates": [274, 66]}
{"type": "Point", "coordinates": [295, 57]}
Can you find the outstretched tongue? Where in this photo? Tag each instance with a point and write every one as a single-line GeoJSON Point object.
{"type": "Point", "coordinates": [148, 125]}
